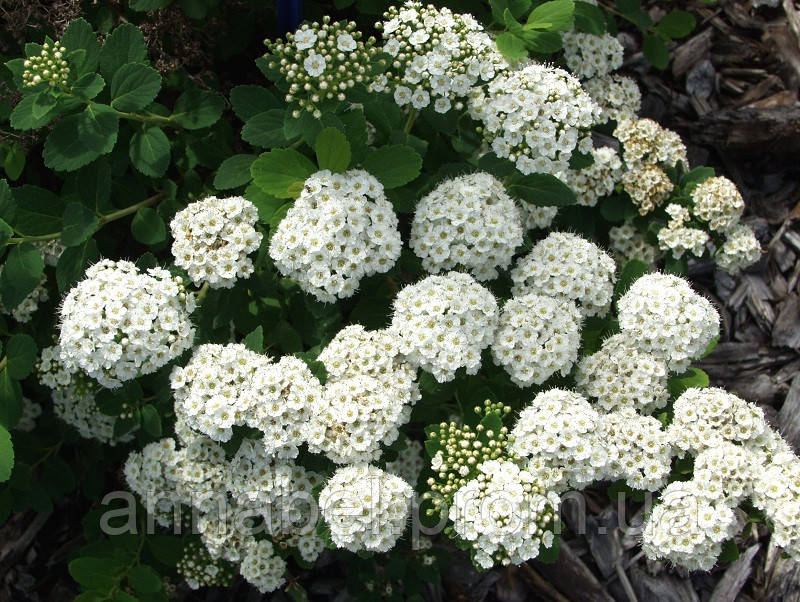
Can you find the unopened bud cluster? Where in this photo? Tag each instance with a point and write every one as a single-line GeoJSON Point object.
{"type": "Point", "coordinates": [49, 66]}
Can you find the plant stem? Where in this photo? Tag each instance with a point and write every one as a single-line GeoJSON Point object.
{"type": "Point", "coordinates": [201, 294]}
{"type": "Point", "coordinates": [102, 221]}
{"type": "Point", "coordinates": [412, 117]}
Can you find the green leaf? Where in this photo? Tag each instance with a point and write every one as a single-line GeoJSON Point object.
{"type": "Point", "coordinates": [10, 400]}
{"type": "Point", "coordinates": [632, 9]}
{"type": "Point", "coordinates": [73, 262]}
{"type": "Point", "coordinates": [79, 139]}
{"type": "Point", "coordinates": [124, 45]}
{"type": "Point", "coordinates": [693, 377]}
{"type": "Point", "coordinates": [248, 101]}
{"type": "Point", "coordinates": [134, 86]}
{"type": "Point", "coordinates": [655, 51]}
{"type": "Point", "coordinates": [730, 552]}
{"type": "Point", "coordinates": [697, 176]}
{"type": "Point", "coordinates": [88, 86]}
{"type": "Point", "coordinates": [79, 35]}
{"type": "Point", "coordinates": [151, 421]}
{"type": "Point", "coordinates": [196, 109]}
{"type": "Point", "coordinates": [6, 232]}
{"type": "Point", "coordinates": [266, 204]}
{"type": "Point", "coordinates": [22, 117]}
{"type": "Point", "coordinates": [234, 172]}
{"type": "Point", "coordinates": [255, 340]}
{"type": "Point", "coordinates": [15, 161]}
{"type": "Point", "coordinates": [393, 165]}
{"type": "Point", "coordinates": [6, 455]}
{"type": "Point", "coordinates": [21, 274]}
{"type": "Point", "coordinates": [332, 150]}
{"type": "Point", "coordinates": [148, 227]}
{"type": "Point", "coordinates": [517, 8]}
{"type": "Point", "coordinates": [147, 5]}
{"type": "Point", "coordinates": [150, 152]}
{"type": "Point", "coordinates": [589, 18]}
{"type": "Point", "coordinates": [143, 579]}
{"type": "Point", "coordinates": [21, 356]}
{"type": "Point", "coordinates": [542, 42]}
{"type": "Point", "coordinates": [551, 16]}
{"type": "Point", "coordinates": [618, 208]}
{"type": "Point", "coordinates": [286, 337]}
{"type": "Point", "coordinates": [43, 103]}
{"type": "Point", "coordinates": [38, 211]}
{"type": "Point", "coordinates": [96, 573]}
{"type": "Point", "coordinates": [511, 47]}
{"type": "Point", "coordinates": [676, 24]}
{"type": "Point", "coordinates": [278, 170]}
{"type": "Point", "coordinates": [79, 224]}
{"type": "Point", "coordinates": [93, 185]}
{"type": "Point", "coordinates": [550, 555]}
{"type": "Point", "coordinates": [630, 273]}
{"type": "Point", "coordinates": [543, 190]}
{"type": "Point", "coordinates": [265, 129]}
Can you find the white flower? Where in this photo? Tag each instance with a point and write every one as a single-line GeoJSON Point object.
{"type": "Point", "coordinates": [314, 64]}
{"type": "Point", "coordinates": [618, 97]}
{"type": "Point", "coordinates": [305, 38]}
{"type": "Point", "coordinates": [627, 243]}
{"type": "Point", "coordinates": [596, 181]}
{"type": "Point", "coordinates": [345, 42]}
{"type": "Point", "coordinates": [718, 202]}
{"type": "Point", "coordinates": [678, 238]}
{"type": "Point", "coordinates": [262, 568]}
{"type": "Point", "coordinates": [740, 249]}
{"type": "Point", "coordinates": [590, 55]}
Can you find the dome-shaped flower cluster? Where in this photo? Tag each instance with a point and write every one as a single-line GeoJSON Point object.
{"type": "Point", "coordinates": [627, 243]}
{"type": "Point", "coordinates": [569, 267]}
{"type": "Point", "coordinates": [320, 62]}
{"type": "Point", "coordinates": [536, 116]}
{"type": "Point", "coordinates": [468, 222]}
{"type": "Point", "coordinates": [706, 418]}
{"type": "Point", "coordinates": [536, 337]}
{"type": "Point", "coordinates": [49, 66]}
{"type": "Point", "coordinates": [740, 249]}
{"type": "Point", "coordinates": [444, 322]}
{"type": "Point", "coordinates": [679, 238]}
{"type": "Point", "coordinates": [590, 55]}
{"type": "Point", "coordinates": [437, 56]}
{"type": "Point", "coordinates": [365, 508]}
{"type": "Point", "coordinates": [620, 376]}
{"type": "Point", "coordinates": [618, 97]}
{"type": "Point", "coordinates": [119, 323]}
{"type": "Point", "coordinates": [199, 569]}
{"type": "Point", "coordinates": [596, 181]}
{"type": "Point", "coordinates": [557, 432]}
{"type": "Point", "coordinates": [777, 494]}
{"type": "Point", "coordinates": [30, 413]}
{"type": "Point", "coordinates": [647, 185]}
{"type": "Point", "coordinates": [341, 229]}
{"type": "Point", "coordinates": [147, 474]}
{"type": "Point", "coordinates": [645, 142]}
{"type": "Point", "coordinates": [262, 567]}
{"type": "Point", "coordinates": [688, 528]}
{"type": "Point", "coordinates": [536, 217]}
{"type": "Point", "coordinates": [729, 471]}
{"type": "Point", "coordinates": [505, 513]}
{"type": "Point", "coordinates": [212, 239]}
{"type": "Point", "coordinates": [663, 316]}
{"type": "Point", "coordinates": [718, 202]}
{"type": "Point", "coordinates": [224, 386]}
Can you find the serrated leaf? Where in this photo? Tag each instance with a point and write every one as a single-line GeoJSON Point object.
{"type": "Point", "coordinates": [542, 42]}
{"type": "Point", "coordinates": [79, 139]}
{"type": "Point", "coordinates": [266, 204]}
{"type": "Point", "coordinates": [88, 86]}
{"type": "Point", "coordinates": [151, 421]}
{"type": "Point", "coordinates": [255, 340]}
{"type": "Point", "coordinates": [630, 273]}
{"type": "Point", "coordinates": [134, 86]}
{"type": "Point", "coordinates": [589, 18]}
{"type": "Point", "coordinates": [196, 109]}
{"type": "Point", "coordinates": [21, 274]}
{"type": "Point", "coordinates": [6, 232]}
{"type": "Point", "coordinates": [551, 16]}
{"type": "Point", "coordinates": [332, 150]}
{"type": "Point", "coordinates": [676, 24]}
{"type": "Point", "coordinates": [234, 172]}
{"type": "Point", "coordinates": [15, 161]}
{"type": "Point", "coordinates": [149, 152]}
{"type": "Point", "coordinates": [511, 47]}
{"type": "Point", "coordinates": [148, 227]}
{"type": "Point", "coordinates": [96, 573]}
{"type": "Point", "coordinates": [543, 190]}
{"type": "Point", "coordinates": [10, 400]}
{"type": "Point", "coordinates": [6, 455]}
{"type": "Point", "coordinates": [73, 263]}
{"type": "Point", "coordinates": [693, 377]}
{"type": "Point", "coordinates": [21, 353]}
{"type": "Point", "coordinates": [655, 51]}
{"type": "Point", "coordinates": [37, 211]}
{"type": "Point", "coordinates": [79, 35]}
{"type": "Point", "coordinates": [265, 129]}
{"type": "Point", "coordinates": [79, 224]}
{"type": "Point", "coordinates": [43, 103]}
{"type": "Point", "coordinates": [248, 101]}
{"type": "Point", "coordinates": [279, 169]}
{"type": "Point", "coordinates": [22, 117]}
{"type": "Point", "coordinates": [393, 165]}
{"type": "Point", "coordinates": [124, 45]}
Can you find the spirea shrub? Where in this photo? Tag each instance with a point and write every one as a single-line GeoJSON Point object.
{"type": "Point", "coordinates": [396, 283]}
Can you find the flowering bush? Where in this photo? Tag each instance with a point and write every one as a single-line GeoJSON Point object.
{"type": "Point", "coordinates": [419, 247]}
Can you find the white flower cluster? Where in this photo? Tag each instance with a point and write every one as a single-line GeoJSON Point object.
{"type": "Point", "coordinates": [147, 473]}
{"type": "Point", "coordinates": [443, 323]}
{"type": "Point", "coordinates": [437, 56]}
{"type": "Point", "coordinates": [557, 432]}
{"type": "Point", "coordinates": [23, 312]}
{"type": "Point", "coordinates": [663, 316]}
{"type": "Point", "coordinates": [536, 217]}
{"type": "Point", "coordinates": [49, 66]}
{"type": "Point", "coordinates": [212, 239]}
{"type": "Point", "coordinates": [777, 493]}
{"type": "Point", "coordinates": [409, 463]}
{"type": "Point", "coordinates": [73, 395]}
{"type": "Point", "coordinates": [679, 238]}
{"type": "Point", "coordinates": [688, 528]}
{"type": "Point", "coordinates": [706, 418]}
{"type": "Point", "coordinates": [536, 117]}
{"type": "Point", "coordinates": [262, 567]}
{"type": "Point", "coordinates": [627, 243]}
{"type": "Point", "coordinates": [505, 513]}
{"type": "Point", "coordinates": [618, 97]}
{"type": "Point", "coordinates": [341, 229]}
{"type": "Point", "coordinates": [598, 180]}
{"type": "Point", "coordinates": [368, 395]}
{"type": "Point", "coordinates": [620, 376]}
{"type": "Point", "coordinates": [588, 55]}
{"type": "Point", "coordinates": [728, 471]}
{"type": "Point", "coordinates": [718, 202]}
{"type": "Point", "coordinates": [468, 222]}
{"type": "Point", "coordinates": [224, 386]}
{"type": "Point", "coordinates": [536, 337]}
{"type": "Point", "coordinates": [199, 569]}
{"type": "Point", "coordinates": [30, 412]}
{"type": "Point", "coordinates": [740, 249]}
{"type": "Point", "coordinates": [566, 266]}
{"type": "Point", "coordinates": [638, 450]}
{"type": "Point", "coordinates": [119, 323]}
{"type": "Point", "coordinates": [51, 251]}
{"type": "Point", "coordinates": [365, 508]}
{"type": "Point", "coordinates": [647, 185]}
{"type": "Point", "coordinates": [321, 62]}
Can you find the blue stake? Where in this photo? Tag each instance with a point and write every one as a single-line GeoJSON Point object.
{"type": "Point", "coordinates": [289, 15]}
